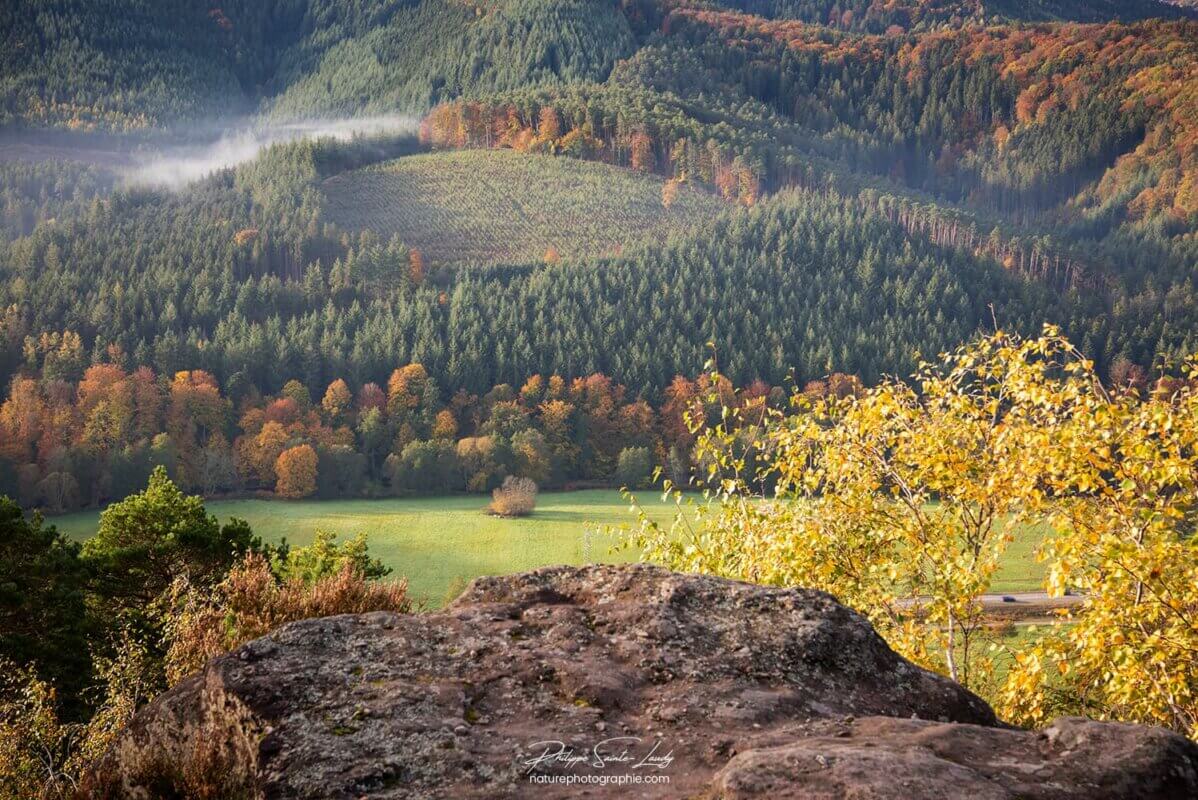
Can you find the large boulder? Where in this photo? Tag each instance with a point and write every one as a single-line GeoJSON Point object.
{"type": "Point", "coordinates": [607, 681]}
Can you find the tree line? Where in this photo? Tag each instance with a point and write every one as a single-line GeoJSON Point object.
{"type": "Point", "coordinates": [67, 445]}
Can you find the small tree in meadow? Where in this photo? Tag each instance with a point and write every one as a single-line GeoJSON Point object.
{"type": "Point", "coordinates": [517, 497]}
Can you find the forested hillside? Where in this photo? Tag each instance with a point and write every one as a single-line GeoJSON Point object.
{"type": "Point", "coordinates": [113, 64]}
{"type": "Point", "coordinates": [874, 17]}
{"type": "Point", "coordinates": [219, 284]}
{"type": "Point", "coordinates": [130, 64]}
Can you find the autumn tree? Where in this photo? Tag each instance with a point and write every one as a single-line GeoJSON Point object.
{"type": "Point", "coordinates": [445, 425]}
{"type": "Point", "coordinates": [549, 124]}
{"type": "Point", "coordinates": [298, 394]}
{"type": "Point", "coordinates": [405, 389]}
{"type": "Point", "coordinates": [1123, 474]}
{"type": "Point", "coordinates": [336, 401]}
{"type": "Point", "coordinates": [147, 403]}
{"type": "Point", "coordinates": [370, 396]}
{"type": "Point", "coordinates": [532, 391]}
{"type": "Point", "coordinates": [531, 455]}
{"type": "Point", "coordinates": [557, 419]}
{"type": "Point", "coordinates": [669, 193]}
{"type": "Point", "coordinates": [257, 454]}
{"type": "Point", "coordinates": [106, 407]}
{"type": "Point", "coordinates": [680, 407]}
{"type": "Point", "coordinates": [195, 410]}
{"type": "Point", "coordinates": [900, 499]}
{"type": "Point", "coordinates": [296, 471]}
{"type": "Point", "coordinates": [21, 419]}
{"type": "Point", "coordinates": [415, 267]}
{"type": "Point", "coordinates": [641, 155]}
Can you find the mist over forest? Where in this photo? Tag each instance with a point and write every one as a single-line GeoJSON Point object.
{"type": "Point", "coordinates": [174, 160]}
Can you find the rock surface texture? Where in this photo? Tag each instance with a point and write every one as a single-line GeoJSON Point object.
{"type": "Point", "coordinates": [628, 675]}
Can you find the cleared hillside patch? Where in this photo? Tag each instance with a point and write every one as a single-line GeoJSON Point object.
{"type": "Point", "coordinates": [499, 206]}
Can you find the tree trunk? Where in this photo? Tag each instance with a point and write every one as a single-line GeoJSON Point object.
{"type": "Point", "coordinates": [949, 656]}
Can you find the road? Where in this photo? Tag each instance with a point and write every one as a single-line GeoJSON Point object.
{"type": "Point", "coordinates": [1022, 606]}
{"type": "Point", "coordinates": [1029, 601]}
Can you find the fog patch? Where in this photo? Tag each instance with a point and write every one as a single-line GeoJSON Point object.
{"type": "Point", "coordinates": [175, 167]}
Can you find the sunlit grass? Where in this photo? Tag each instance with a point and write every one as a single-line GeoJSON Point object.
{"type": "Point", "coordinates": [440, 543]}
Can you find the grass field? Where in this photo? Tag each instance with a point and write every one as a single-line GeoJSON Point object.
{"type": "Point", "coordinates": [499, 206]}
{"type": "Point", "coordinates": [440, 543]}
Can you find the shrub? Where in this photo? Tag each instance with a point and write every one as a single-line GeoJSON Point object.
{"type": "Point", "coordinates": [324, 558]}
{"type": "Point", "coordinates": [252, 601]}
{"type": "Point", "coordinates": [33, 741]}
{"type": "Point", "coordinates": [43, 755]}
{"type": "Point", "coordinates": [517, 497]}
{"type": "Point", "coordinates": [42, 611]}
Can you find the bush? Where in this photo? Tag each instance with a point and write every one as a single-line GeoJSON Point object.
{"type": "Point", "coordinates": [252, 601]}
{"type": "Point", "coordinates": [517, 497]}
{"type": "Point", "coordinates": [33, 740]}
{"type": "Point", "coordinates": [42, 612]}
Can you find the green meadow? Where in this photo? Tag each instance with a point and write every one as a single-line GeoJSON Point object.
{"type": "Point", "coordinates": [440, 543]}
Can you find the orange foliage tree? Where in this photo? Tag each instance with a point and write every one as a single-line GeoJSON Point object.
{"type": "Point", "coordinates": [296, 470]}
{"type": "Point", "coordinates": [416, 267]}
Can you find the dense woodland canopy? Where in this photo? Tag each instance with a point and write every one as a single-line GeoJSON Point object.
{"type": "Point", "coordinates": [896, 176]}
{"type": "Point", "coordinates": [874, 17]}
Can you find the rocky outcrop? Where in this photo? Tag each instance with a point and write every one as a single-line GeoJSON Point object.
{"type": "Point", "coordinates": [906, 758]}
{"type": "Point", "coordinates": [613, 681]}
